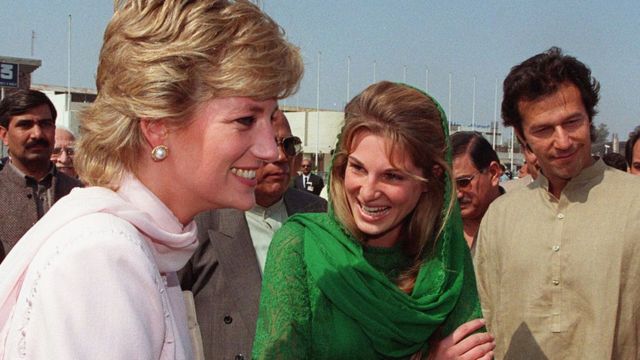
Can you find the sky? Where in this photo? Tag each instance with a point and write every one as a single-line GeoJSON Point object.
{"type": "Point", "coordinates": [400, 39]}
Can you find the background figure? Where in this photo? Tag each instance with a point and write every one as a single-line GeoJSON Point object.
{"type": "Point", "coordinates": [386, 270]}
{"type": "Point", "coordinates": [616, 161]}
{"type": "Point", "coordinates": [29, 183]}
{"type": "Point", "coordinates": [476, 169]}
{"type": "Point", "coordinates": [225, 272]}
{"type": "Point", "coordinates": [632, 151]}
{"type": "Point", "coordinates": [531, 170]}
{"type": "Point", "coordinates": [63, 151]}
{"type": "Point", "coordinates": [187, 91]}
{"type": "Point", "coordinates": [553, 258]}
{"type": "Point", "coordinates": [308, 181]}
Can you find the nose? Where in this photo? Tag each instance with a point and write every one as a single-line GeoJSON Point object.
{"type": "Point", "coordinates": [281, 154]}
{"type": "Point", "coordinates": [459, 193]}
{"type": "Point", "coordinates": [264, 147]}
{"type": "Point", "coordinates": [63, 158]}
{"type": "Point", "coordinates": [36, 131]}
{"type": "Point", "coordinates": [369, 189]}
{"type": "Point", "coordinates": [562, 139]}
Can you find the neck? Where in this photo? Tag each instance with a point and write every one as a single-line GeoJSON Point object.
{"type": "Point", "coordinates": [385, 240]}
{"type": "Point", "coordinates": [160, 184]}
{"type": "Point", "coordinates": [266, 200]}
{"type": "Point", "coordinates": [36, 169]}
{"type": "Point", "coordinates": [470, 228]}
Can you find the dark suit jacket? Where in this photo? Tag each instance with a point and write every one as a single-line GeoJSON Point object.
{"type": "Point", "coordinates": [18, 209]}
{"type": "Point", "coordinates": [315, 180]}
{"type": "Point", "coordinates": [224, 276]}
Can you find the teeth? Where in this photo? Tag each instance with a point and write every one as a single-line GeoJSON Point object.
{"type": "Point", "coordinates": [374, 210]}
{"type": "Point", "coordinates": [247, 174]}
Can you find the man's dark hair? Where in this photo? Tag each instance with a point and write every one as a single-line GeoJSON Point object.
{"type": "Point", "coordinates": [628, 148]}
{"type": "Point", "coordinates": [20, 101]}
{"type": "Point", "coordinates": [615, 160]}
{"type": "Point", "coordinates": [540, 76]}
{"type": "Point", "coordinates": [476, 145]}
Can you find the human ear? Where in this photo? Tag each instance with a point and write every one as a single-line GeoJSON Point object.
{"type": "Point", "coordinates": [3, 135]}
{"type": "Point", "coordinates": [495, 171]}
{"type": "Point", "coordinates": [154, 131]}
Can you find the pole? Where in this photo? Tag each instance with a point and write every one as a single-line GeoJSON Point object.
{"type": "Point", "coordinates": [473, 106]}
{"type": "Point", "coordinates": [33, 40]}
{"type": "Point", "coordinates": [374, 71]}
{"type": "Point", "coordinates": [511, 150]}
{"type": "Point", "coordinates": [404, 74]}
{"type": "Point", "coordinates": [348, 79]}
{"type": "Point", "coordinates": [495, 117]}
{"type": "Point", "coordinates": [426, 80]}
{"type": "Point", "coordinates": [69, 71]}
{"type": "Point", "coordinates": [318, 113]}
{"type": "Point", "coordinates": [449, 109]}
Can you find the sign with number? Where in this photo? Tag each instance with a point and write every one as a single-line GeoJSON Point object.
{"type": "Point", "coordinates": [8, 74]}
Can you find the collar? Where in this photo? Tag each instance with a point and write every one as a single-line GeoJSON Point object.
{"type": "Point", "coordinates": [46, 181]}
{"type": "Point", "coordinates": [267, 212]}
{"type": "Point", "coordinates": [586, 176]}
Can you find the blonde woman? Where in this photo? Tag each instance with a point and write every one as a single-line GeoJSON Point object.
{"type": "Point", "coordinates": [186, 95]}
{"type": "Point", "coordinates": [386, 274]}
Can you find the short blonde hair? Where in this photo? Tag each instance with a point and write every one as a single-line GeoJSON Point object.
{"type": "Point", "coordinates": [162, 58]}
{"type": "Point", "coordinates": [412, 122]}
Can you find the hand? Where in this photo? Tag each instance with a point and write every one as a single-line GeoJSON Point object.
{"type": "Point", "coordinates": [461, 345]}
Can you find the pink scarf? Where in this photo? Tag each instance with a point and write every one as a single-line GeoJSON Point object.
{"type": "Point", "coordinates": [171, 243]}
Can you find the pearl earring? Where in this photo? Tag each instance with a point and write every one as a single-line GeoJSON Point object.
{"type": "Point", "coordinates": [159, 153]}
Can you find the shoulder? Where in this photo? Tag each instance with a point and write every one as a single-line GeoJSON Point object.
{"type": "Point", "coordinates": [303, 201]}
{"type": "Point", "coordinates": [66, 182]}
{"type": "Point", "coordinates": [104, 239]}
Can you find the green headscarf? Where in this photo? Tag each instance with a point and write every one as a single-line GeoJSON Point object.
{"type": "Point", "coordinates": [398, 324]}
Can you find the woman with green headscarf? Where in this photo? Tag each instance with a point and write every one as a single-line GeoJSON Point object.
{"type": "Point", "coordinates": [386, 273]}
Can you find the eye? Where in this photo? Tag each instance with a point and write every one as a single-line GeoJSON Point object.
{"type": "Point", "coordinates": [356, 168]}
{"type": "Point", "coordinates": [393, 176]}
{"type": "Point", "coordinates": [542, 131]}
{"type": "Point", "coordinates": [46, 123]}
{"type": "Point", "coordinates": [573, 124]}
{"type": "Point", "coordinates": [247, 121]}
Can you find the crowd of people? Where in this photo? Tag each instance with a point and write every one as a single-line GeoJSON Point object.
{"type": "Point", "coordinates": [176, 227]}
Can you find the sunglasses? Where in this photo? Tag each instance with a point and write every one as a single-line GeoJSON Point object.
{"type": "Point", "coordinates": [290, 145]}
{"type": "Point", "coordinates": [57, 151]}
{"type": "Point", "coordinates": [464, 181]}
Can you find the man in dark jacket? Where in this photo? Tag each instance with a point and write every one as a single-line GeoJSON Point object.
{"type": "Point", "coordinates": [29, 182]}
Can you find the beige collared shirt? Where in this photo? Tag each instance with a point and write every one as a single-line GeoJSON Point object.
{"type": "Point", "coordinates": [263, 223]}
{"type": "Point", "coordinates": [560, 278]}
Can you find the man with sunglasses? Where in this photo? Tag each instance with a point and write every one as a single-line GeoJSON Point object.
{"type": "Point", "coordinates": [29, 182]}
{"type": "Point", "coordinates": [225, 272]}
{"type": "Point", "coordinates": [477, 171]}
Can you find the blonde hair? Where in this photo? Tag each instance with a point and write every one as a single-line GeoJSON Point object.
{"type": "Point", "coordinates": [411, 121]}
{"type": "Point", "coordinates": [162, 58]}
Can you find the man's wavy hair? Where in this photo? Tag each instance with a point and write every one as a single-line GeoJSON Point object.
{"type": "Point", "coordinates": [542, 75]}
{"type": "Point", "coordinates": [162, 58]}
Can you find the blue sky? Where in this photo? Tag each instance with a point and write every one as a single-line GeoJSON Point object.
{"type": "Point", "coordinates": [465, 38]}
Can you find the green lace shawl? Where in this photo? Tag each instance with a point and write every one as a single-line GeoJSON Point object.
{"type": "Point", "coordinates": [397, 324]}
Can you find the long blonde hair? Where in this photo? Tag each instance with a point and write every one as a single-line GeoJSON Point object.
{"type": "Point", "coordinates": [162, 58]}
{"type": "Point", "coordinates": [411, 121]}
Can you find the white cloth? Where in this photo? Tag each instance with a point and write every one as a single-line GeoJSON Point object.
{"type": "Point", "coordinates": [95, 279]}
{"type": "Point", "coordinates": [263, 223]}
